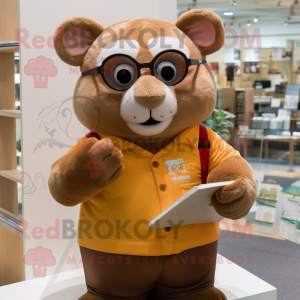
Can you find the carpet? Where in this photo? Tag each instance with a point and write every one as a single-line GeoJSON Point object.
{"type": "Point", "coordinates": [275, 261]}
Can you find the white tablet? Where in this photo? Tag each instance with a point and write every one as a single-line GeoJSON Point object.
{"type": "Point", "coordinates": [192, 208]}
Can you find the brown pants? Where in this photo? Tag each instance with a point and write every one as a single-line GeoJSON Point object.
{"type": "Point", "coordinates": [161, 277]}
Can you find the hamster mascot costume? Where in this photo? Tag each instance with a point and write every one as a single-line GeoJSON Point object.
{"type": "Point", "coordinates": [145, 87]}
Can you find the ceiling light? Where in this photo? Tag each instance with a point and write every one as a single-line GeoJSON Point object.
{"type": "Point", "coordinates": [228, 13]}
{"type": "Point", "coordinates": [248, 24]}
{"type": "Point", "coordinates": [255, 19]}
{"type": "Point", "coordinates": [233, 3]}
{"type": "Point", "coordinates": [285, 23]}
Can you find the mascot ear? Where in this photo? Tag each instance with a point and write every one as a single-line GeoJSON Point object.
{"type": "Point", "coordinates": [74, 37]}
{"type": "Point", "coordinates": [204, 28]}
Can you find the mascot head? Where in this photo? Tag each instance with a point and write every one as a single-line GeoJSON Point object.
{"type": "Point", "coordinates": [144, 78]}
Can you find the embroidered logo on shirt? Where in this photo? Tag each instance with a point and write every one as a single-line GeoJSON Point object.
{"type": "Point", "coordinates": [177, 170]}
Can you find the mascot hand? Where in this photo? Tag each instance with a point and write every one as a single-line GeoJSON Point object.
{"type": "Point", "coordinates": [101, 163]}
{"type": "Point", "coordinates": [235, 200]}
{"type": "Point", "coordinates": [85, 171]}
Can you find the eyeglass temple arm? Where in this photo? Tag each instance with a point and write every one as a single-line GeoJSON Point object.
{"type": "Point", "coordinates": [92, 71]}
{"type": "Point", "coordinates": [194, 62]}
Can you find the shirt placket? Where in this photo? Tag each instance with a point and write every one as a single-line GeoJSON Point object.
{"type": "Point", "coordinates": [165, 199]}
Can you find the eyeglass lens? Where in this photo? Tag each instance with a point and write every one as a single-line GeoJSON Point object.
{"type": "Point", "coordinates": [120, 72]}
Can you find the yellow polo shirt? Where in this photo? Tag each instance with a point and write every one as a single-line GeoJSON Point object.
{"type": "Point", "coordinates": [115, 220]}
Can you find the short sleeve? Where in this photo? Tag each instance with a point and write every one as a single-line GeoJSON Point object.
{"type": "Point", "coordinates": [219, 149]}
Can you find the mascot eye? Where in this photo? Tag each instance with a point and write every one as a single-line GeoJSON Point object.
{"type": "Point", "coordinates": [166, 71]}
{"type": "Point", "coordinates": [124, 74]}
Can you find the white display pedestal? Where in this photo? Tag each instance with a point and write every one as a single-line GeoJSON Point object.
{"type": "Point", "coordinates": [234, 281]}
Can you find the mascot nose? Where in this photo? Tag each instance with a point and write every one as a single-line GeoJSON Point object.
{"type": "Point", "coordinates": [149, 91]}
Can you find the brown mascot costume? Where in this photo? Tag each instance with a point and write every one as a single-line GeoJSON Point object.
{"type": "Point", "coordinates": [144, 90]}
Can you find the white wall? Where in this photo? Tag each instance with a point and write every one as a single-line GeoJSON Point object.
{"type": "Point", "coordinates": [49, 126]}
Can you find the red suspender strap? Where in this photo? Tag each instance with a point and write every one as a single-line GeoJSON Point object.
{"type": "Point", "coordinates": [203, 146]}
{"type": "Point", "coordinates": [93, 134]}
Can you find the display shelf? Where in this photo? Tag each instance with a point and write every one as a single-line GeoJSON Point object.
{"type": "Point", "coordinates": [11, 222]}
{"type": "Point", "coordinates": [11, 255]}
{"type": "Point", "coordinates": [9, 49]}
{"type": "Point", "coordinates": [244, 106]}
{"type": "Point", "coordinates": [10, 46]}
{"type": "Point", "coordinates": [14, 175]}
{"type": "Point", "coordinates": [12, 113]}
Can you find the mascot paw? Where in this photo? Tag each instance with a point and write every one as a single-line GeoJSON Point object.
{"type": "Point", "coordinates": [235, 200]}
{"type": "Point", "coordinates": [209, 294]}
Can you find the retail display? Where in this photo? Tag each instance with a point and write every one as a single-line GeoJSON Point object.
{"type": "Point", "coordinates": [291, 99]}
{"type": "Point", "coordinates": [272, 124]}
{"type": "Point", "coordinates": [118, 172]}
{"type": "Point", "coordinates": [290, 220]}
{"type": "Point", "coordinates": [244, 106]}
{"type": "Point", "coordinates": [269, 208]}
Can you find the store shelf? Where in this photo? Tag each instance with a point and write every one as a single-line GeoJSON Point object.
{"type": "Point", "coordinates": [12, 113]}
{"type": "Point", "coordinates": [10, 222]}
{"type": "Point", "coordinates": [11, 46]}
{"type": "Point", "coordinates": [9, 49]}
{"type": "Point", "coordinates": [14, 175]}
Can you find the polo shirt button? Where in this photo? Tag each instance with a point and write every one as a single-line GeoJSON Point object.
{"type": "Point", "coordinates": [162, 187]}
{"type": "Point", "coordinates": [155, 164]}
{"type": "Point", "coordinates": [167, 229]}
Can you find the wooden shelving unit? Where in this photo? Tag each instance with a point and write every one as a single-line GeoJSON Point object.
{"type": "Point", "coordinates": [14, 175]}
{"type": "Point", "coordinates": [11, 113]}
{"type": "Point", "coordinates": [12, 49]}
{"type": "Point", "coordinates": [244, 106]}
{"type": "Point", "coordinates": [11, 250]}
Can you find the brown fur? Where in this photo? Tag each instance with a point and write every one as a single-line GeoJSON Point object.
{"type": "Point", "coordinates": [70, 184]}
{"type": "Point", "coordinates": [82, 23]}
{"type": "Point", "coordinates": [192, 17]}
{"type": "Point", "coordinates": [149, 91]}
{"type": "Point", "coordinates": [234, 201]}
{"type": "Point", "coordinates": [193, 107]}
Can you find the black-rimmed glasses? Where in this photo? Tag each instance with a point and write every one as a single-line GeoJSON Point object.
{"type": "Point", "coordinates": [121, 71]}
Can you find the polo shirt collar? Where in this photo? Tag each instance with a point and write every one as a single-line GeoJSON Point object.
{"type": "Point", "coordinates": [188, 136]}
